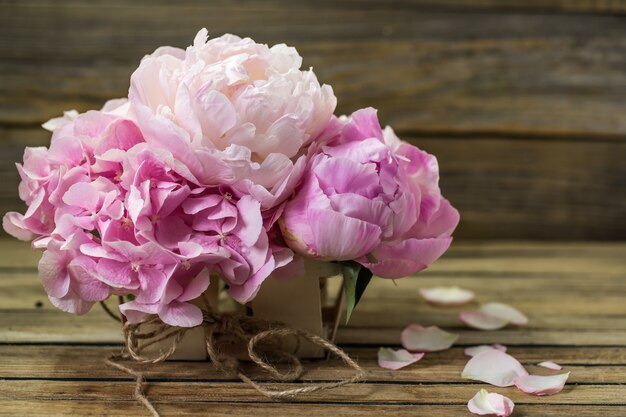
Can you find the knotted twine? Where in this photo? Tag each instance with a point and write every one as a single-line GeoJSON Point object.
{"type": "Point", "coordinates": [241, 330]}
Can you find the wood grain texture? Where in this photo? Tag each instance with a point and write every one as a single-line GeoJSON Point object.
{"type": "Point", "coordinates": [531, 74]}
{"type": "Point", "coordinates": [42, 362]}
{"type": "Point", "coordinates": [522, 102]}
{"type": "Point", "coordinates": [503, 187]}
{"type": "Point", "coordinates": [51, 363]}
{"type": "Point", "coordinates": [115, 407]}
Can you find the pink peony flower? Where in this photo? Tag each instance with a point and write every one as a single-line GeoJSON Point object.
{"type": "Point", "coordinates": [232, 111]}
{"type": "Point", "coordinates": [233, 223]}
{"type": "Point", "coordinates": [190, 176]}
{"type": "Point", "coordinates": [371, 198]}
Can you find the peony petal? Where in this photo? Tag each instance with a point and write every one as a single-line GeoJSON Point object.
{"type": "Point", "coordinates": [494, 367]}
{"type": "Point", "coordinates": [447, 296]}
{"type": "Point", "coordinates": [551, 365]}
{"type": "Point", "coordinates": [506, 312]}
{"type": "Point", "coordinates": [341, 238]}
{"type": "Point", "coordinates": [485, 403]}
{"type": "Point", "coordinates": [405, 257]}
{"type": "Point", "coordinates": [396, 359]}
{"type": "Point", "coordinates": [541, 384]}
{"type": "Point", "coordinates": [249, 222]}
{"type": "Point", "coordinates": [426, 339]}
{"type": "Point", "coordinates": [475, 350]}
{"type": "Point", "coordinates": [482, 321]}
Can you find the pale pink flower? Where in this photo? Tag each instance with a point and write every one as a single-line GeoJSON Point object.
{"type": "Point", "coordinates": [371, 199]}
{"type": "Point", "coordinates": [234, 224]}
{"type": "Point", "coordinates": [232, 111]}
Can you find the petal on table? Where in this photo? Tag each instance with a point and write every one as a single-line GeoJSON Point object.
{"type": "Point", "coordinates": [447, 296]}
{"type": "Point", "coordinates": [396, 359]}
{"type": "Point", "coordinates": [482, 321]}
{"type": "Point", "coordinates": [475, 350]}
{"type": "Point", "coordinates": [551, 365]}
{"type": "Point", "coordinates": [541, 384]}
{"type": "Point", "coordinates": [426, 339]}
{"type": "Point", "coordinates": [505, 312]}
{"type": "Point", "coordinates": [485, 403]}
{"type": "Point", "coordinates": [494, 367]}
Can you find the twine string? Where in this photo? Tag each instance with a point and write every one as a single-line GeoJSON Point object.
{"type": "Point", "coordinates": [253, 333]}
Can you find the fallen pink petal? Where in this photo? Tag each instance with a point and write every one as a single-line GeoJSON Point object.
{"type": "Point", "coordinates": [418, 338]}
{"type": "Point", "coordinates": [550, 365]}
{"type": "Point", "coordinates": [494, 367]}
{"type": "Point", "coordinates": [490, 403]}
{"type": "Point", "coordinates": [397, 359]}
{"type": "Point", "coordinates": [475, 350]}
{"type": "Point", "coordinates": [505, 312]}
{"type": "Point", "coordinates": [447, 296]}
{"type": "Point", "coordinates": [541, 384]}
{"type": "Point", "coordinates": [481, 321]}
{"type": "Point", "coordinates": [493, 316]}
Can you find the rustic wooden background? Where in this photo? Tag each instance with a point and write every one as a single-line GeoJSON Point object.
{"type": "Point", "coordinates": [523, 101]}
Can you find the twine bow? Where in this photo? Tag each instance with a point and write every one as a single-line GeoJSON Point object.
{"type": "Point", "coordinates": [251, 332]}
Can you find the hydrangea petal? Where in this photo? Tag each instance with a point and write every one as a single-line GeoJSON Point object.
{"type": "Point", "coordinates": [486, 403]}
{"type": "Point", "coordinates": [447, 296]}
{"type": "Point", "coordinates": [541, 384]}
{"type": "Point", "coordinates": [494, 367]}
{"type": "Point", "coordinates": [426, 339]}
{"type": "Point", "coordinates": [181, 314]}
{"type": "Point", "coordinates": [396, 359]}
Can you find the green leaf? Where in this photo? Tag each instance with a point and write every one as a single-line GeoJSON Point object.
{"type": "Point", "coordinates": [355, 280]}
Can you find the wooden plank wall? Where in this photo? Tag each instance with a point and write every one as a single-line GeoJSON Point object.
{"type": "Point", "coordinates": [524, 102]}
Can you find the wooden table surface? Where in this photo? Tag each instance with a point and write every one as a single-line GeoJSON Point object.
{"type": "Point", "coordinates": [52, 363]}
{"type": "Point", "coordinates": [522, 101]}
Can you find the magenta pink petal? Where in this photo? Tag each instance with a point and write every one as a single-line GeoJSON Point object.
{"type": "Point", "coordinates": [494, 367]}
{"type": "Point", "coordinates": [551, 365]}
{"type": "Point", "coordinates": [486, 403]}
{"type": "Point", "coordinates": [396, 359]}
{"type": "Point", "coordinates": [541, 384]}
{"type": "Point", "coordinates": [331, 225]}
{"type": "Point", "coordinates": [417, 338]}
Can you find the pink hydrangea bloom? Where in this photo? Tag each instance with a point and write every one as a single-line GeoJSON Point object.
{"type": "Point", "coordinates": [193, 172]}
{"type": "Point", "coordinates": [372, 198]}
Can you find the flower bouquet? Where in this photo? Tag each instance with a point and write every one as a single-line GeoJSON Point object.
{"type": "Point", "coordinates": [225, 168]}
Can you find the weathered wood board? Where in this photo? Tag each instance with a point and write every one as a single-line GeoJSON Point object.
{"type": "Point", "coordinates": [522, 101]}
{"type": "Point", "coordinates": [51, 363]}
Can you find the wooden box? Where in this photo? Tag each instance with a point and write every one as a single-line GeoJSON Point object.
{"type": "Point", "coordinates": [302, 303]}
